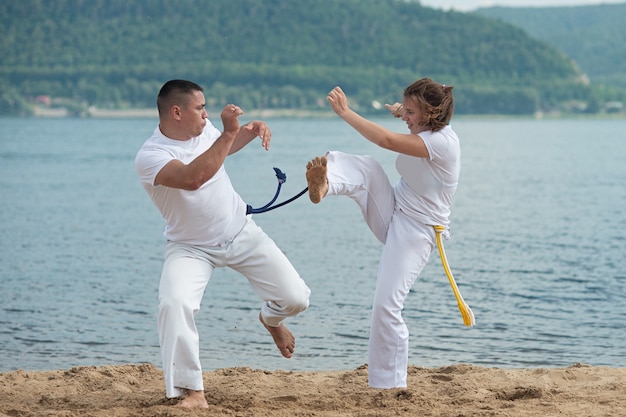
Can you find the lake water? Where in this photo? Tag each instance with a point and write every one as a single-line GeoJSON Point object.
{"type": "Point", "coordinates": [538, 250]}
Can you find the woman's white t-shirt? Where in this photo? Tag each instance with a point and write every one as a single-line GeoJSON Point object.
{"type": "Point", "coordinates": [427, 185]}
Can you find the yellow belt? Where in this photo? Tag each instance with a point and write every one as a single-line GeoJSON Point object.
{"type": "Point", "coordinates": [466, 311]}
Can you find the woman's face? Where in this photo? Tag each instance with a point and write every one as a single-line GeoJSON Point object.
{"type": "Point", "coordinates": [413, 116]}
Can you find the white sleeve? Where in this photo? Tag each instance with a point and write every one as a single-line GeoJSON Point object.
{"type": "Point", "coordinates": [149, 161]}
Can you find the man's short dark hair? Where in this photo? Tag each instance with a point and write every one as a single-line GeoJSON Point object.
{"type": "Point", "coordinates": [175, 92]}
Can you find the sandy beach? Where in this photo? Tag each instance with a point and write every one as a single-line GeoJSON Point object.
{"type": "Point", "coordinates": [458, 390]}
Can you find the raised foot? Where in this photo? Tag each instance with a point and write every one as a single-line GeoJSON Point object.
{"type": "Point", "coordinates": [316, 179]}
{"type": "Point", "coordinates": [283, 338]}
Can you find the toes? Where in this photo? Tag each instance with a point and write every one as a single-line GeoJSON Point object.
{"type": "Point", "coordinates": [317, 161]}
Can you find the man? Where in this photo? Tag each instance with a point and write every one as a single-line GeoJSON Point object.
{"type": "Point", "coordinates": [181, 168]}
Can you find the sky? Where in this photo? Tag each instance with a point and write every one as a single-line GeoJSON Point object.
{"type": "Point", "coordinates": [469, 5]}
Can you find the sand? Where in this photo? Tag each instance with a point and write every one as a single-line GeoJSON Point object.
{"type": "Point", "coordinates": [458, 390]}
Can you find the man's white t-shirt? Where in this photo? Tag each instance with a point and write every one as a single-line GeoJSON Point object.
{"type": "Point", "coordinates": [427, 185]}
{"type": "Point", "coordinates": [211, 215]}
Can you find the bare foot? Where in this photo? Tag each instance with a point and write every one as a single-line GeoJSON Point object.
{"type": "Point", "coordinates": [194, 399]}
{"type": "Point", "coordinates": [283, 338]}
{"type": "Point", "coordinates": [316, 178]}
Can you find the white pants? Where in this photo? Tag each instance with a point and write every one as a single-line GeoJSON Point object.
{"type": "Point", "coordinates": [408, 245]}
{"type": "Point", "coordinates": [186, 273]}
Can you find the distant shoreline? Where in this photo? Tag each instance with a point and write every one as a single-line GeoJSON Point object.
{"type": "Point", "coordinates": [138, 113]}
{"type": "Point", "coordinates": [97, 113]}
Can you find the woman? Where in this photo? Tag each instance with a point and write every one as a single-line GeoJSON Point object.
{"type": "Point", "coordinates": [401, 216]}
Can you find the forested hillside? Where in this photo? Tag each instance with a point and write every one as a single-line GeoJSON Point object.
{"type": "Point", "coordinates": [273, 54]}
{"type": "Point", "coordinates": [594, 36]}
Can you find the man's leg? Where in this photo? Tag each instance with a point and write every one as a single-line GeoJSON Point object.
{"type": "Point", "coordinates": [183, 281]}
{"type": "Point", "coordinates": [283, 338]}
{"type": "Point", "coordinates": [274, 279]}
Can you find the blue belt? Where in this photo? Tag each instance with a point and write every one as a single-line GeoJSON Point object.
{"type": "Point", "coordinates": [282, 178]}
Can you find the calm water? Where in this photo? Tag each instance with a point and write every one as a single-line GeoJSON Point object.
{"type": "Point", "coordinates": [538, 250]}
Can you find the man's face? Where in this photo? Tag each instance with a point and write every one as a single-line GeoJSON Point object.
{"type": "Point", "coordinates": [193, 114]}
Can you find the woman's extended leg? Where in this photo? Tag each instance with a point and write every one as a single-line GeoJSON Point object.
{"type": "Point", "coordinates": [359, 177]}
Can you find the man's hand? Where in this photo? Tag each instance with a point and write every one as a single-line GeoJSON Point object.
{"type": "Point", "coordinates": [230, 119]}
{"type": "Point", "coordinates": [260, 129]}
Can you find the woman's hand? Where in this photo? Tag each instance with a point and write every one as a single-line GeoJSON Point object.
{"type": "Point", "coordinates": [338, 101]}
{"type": "Point", "coordinates": [396, 109]}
